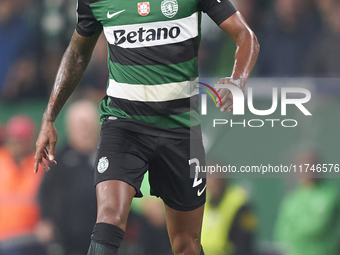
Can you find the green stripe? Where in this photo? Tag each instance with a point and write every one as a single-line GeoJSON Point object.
{"type": "Point", "coordinates": [187, 119]}
{"type": "Point", "coordinates": [154, 74]}
{"type": "Point", "coordinates": [106, 110]}
{"type": "Point", "coordinates": [131, 16]}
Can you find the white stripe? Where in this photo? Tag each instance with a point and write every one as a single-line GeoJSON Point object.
{"type": "Point", "coordinates": [128, 36]}
{"type": "Point", "coordinates": [153, 93]}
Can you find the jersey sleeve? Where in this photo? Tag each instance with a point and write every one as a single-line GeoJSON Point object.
{"type": "Point", "coordinates": [218, 10]}
{"type": "Point", "coordinates": [87, 24]}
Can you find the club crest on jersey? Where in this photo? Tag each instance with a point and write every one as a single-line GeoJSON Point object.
{"type": "Point", "coordinates": [169, 8]}
{"type": "Point", "coordinates": [143, 8]}
{"type": "Point", "coordinates": [103, 164]}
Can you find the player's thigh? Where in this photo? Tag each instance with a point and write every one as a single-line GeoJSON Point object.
{"type": "Point", "coordinates": [122, 155]}
{"type": "Point", "coordinates": [120, 166]}
{"type": "Point", "coordinates": [184, 227]}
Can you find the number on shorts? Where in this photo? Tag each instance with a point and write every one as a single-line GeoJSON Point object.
{"type": "Point", "coordinates": [196, 180]}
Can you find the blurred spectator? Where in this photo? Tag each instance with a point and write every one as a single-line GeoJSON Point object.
{"type": "Point", "coordinates": [22, 80]}
{"type": "Point", "coordinates": [251, 12]}
{"type": "Point", "coordinates": [71, 216]}
{"type": "Point", "coordinates": [56, 25]}
{"type": "Point", "coordinates": [19, 47]}
{"type": "Point", "coordinates": [309, 218]}
{"type": "Point", "coordinates": [19, 210]}
{"type": "Point", "coordinates": [323, 56]}
{"type": "Point", "coordinates": [97, 73]}
{"type": "Point", "coordinates": [57, 22]}
{"type": "Point", "coordinates": [286, 37]}
{"type": "Point", "coordinates": [49, 66]}
{"type": "Point", "coordinates": [1, 134]}
{"type": "Point", "coordinates": [229, 222]}
{"type": "Point", "coordinates": [324, 7]}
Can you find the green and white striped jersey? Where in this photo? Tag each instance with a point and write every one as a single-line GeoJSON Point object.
{"type": "Point", "coordinates": [152, 58]}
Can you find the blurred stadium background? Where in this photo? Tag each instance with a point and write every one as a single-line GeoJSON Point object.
{"type": "Point", "coordinates": [300, 47]}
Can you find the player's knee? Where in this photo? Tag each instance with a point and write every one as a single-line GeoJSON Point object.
{"type": "Point", "coordinates": [109, 214]}
{"type": "Point", "coordinates": [186, 246]}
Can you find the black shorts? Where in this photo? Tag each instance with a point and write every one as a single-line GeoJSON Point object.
{"type": "Point", "coordinates": [126, 155]}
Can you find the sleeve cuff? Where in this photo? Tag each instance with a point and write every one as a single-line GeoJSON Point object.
{"type": "Point", "coordinates": [222, 11]}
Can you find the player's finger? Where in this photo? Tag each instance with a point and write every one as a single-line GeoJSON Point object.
{"type": "Point", "coordinates": [224, 92]}
{"type": "Point", "coordinates": [222, 95]}
{"type": "Point", "coordinates": [227, 106]}
{"type": "Point", "coordinates": [36, 166]}
{"type": "Point", "coordinates": [45, 153]}
{"type": "Point", "coordinates": [51, 154]}
{"type": "Point", "coordinates": [47, 157]}
{"type": "Point", "coordinates": [227, 101]}
{"type": "Point", "coordinates": [225, 98]}
{"type": "Point", "coordinates": [37, 160]}
{"type": "Point", "coordinates": [45, 166]}
{"type": "Point", "coordinates": [229, 95]}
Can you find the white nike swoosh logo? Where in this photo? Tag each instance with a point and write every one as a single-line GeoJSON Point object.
{"type": "Point", "coordinates": [109, 16]}
{"type": "Point", "coordinates": [200, 192]}
{"type": "Point", "coordinates": [219, 1]}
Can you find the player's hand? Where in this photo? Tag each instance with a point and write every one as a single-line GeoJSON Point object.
{"type": "Point", "coordinates": [45, 146]}
{"type": "Point", "coordinates": [226, 95]}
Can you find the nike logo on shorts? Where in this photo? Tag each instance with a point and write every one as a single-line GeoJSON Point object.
{"type": "Point", "coordinates": [200, 192]}
{"type": "Point", "coordinates": [109, 16]}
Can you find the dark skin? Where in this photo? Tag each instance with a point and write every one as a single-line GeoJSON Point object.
{"type": "Point", "coordinates": [72, 67]}
{"type": "Point", "coordinates": [114, 197]}
{"type": "Point", "coordinates": [245, 56]}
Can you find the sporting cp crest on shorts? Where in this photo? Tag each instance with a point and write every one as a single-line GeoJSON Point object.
{"type": "Point", "coordinates": [169, 8]}
{"type": "Point", "coordinates": [144, 8]}
{"type": "Point", "coordinates": [103, 164]}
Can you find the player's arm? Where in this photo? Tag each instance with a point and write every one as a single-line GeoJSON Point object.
{"type": "Point", "coordinates": [71, 70]}
{"type": "Point", "coordinates": [245, 56]}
